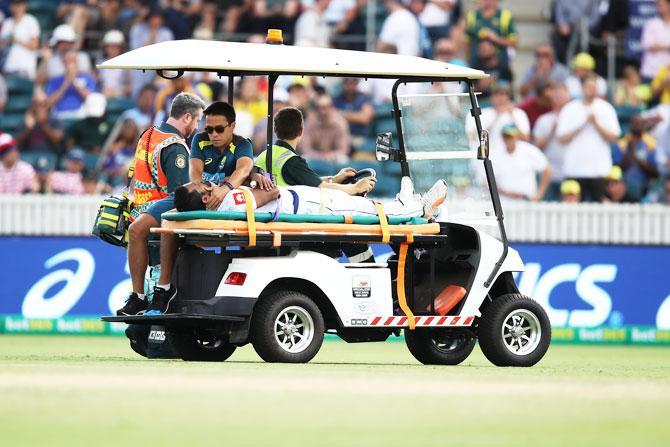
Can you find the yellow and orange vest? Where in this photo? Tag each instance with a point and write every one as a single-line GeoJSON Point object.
{"type": "Point", "coordinates": [149, 180]}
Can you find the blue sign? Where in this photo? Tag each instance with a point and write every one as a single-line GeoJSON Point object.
{"type": "Point", "coordinates": [579, 285]}
{"type": "Point", "coordinates": [639, 11]}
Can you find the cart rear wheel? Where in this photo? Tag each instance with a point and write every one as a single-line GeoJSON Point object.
{"type": "Point", "coordinates": [514, 330]}
{"type": "Point", "coordinates": [287, 327]}
{"type": "Point", "coordinates": [191, 346]}
{"type": "Point", "coordinates": [440, 347]}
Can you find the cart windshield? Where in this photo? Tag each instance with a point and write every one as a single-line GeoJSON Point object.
{"type": "Point", "coordinates": [436, 146]}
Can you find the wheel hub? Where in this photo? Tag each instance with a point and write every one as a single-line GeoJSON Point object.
{"type": "Point", "coordinates": [521, 332]}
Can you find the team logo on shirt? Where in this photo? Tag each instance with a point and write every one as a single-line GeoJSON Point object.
{"type": "Point", "coordinates": [208, 160]}
{"type": "Point", "coordinates": [180, 161]}
{"type": "Point", "coordinates": [239, 199]}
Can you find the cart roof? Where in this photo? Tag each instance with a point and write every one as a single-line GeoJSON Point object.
{"type": "Point", "coordinates": [250, 58]}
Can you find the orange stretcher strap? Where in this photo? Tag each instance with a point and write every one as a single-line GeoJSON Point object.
{"type": "Point", "coordinates": [348, 219]}
{"type": "Point", "coordinates": [251, 222]}
{"type": "Point", "coordinates": [402, 299]}
{"type": "Point", "coordinates": [383, 223]}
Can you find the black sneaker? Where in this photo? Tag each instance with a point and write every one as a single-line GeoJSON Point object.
{"type": "Point", "coordinates": [160, 304]}
{"type": "Point", "coordinates": [134, 306]}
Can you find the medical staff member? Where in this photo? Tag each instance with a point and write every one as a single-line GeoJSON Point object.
{"type": "Point", "coordinates": [161, 166]}
{"type": "Point", "coordinates": [289, 168]}
{"type": "Point", "coordinates": [216, 154]}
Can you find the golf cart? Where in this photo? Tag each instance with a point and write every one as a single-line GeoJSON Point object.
{"type": "Point", "coordinates": [249, 277]}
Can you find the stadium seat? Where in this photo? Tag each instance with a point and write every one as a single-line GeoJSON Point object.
{"type": "Point", "coordinates": [33, 157]}
{"type": "Point", "coordinates": [18, 85]}
{"type": "Point", "coordinates": [18, 103]}
{"type": "Point", "coordinates": [322, 167]}
{"type": "Point", "coordinates": [11, 122]}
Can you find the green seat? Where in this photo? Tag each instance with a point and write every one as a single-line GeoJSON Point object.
{"type": "Point", "coordinates": [291, 218]}
{"type": "Point", "coordinates": [10, 122]}
{"type": "Point", "coordinates": [18, 103]}
{"type": "Point", "coordinates": [117, 106]}
{"type": "Point", "coordinates": [33, 157]}
{"type": "Point", "coordinates": [17, 85]}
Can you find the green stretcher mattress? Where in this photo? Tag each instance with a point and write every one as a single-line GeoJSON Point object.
{"type": "Point", "coordinates": [290, 218]}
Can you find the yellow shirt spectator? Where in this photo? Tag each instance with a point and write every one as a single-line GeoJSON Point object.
{"type": "Point", "coordinates": [660, 86]}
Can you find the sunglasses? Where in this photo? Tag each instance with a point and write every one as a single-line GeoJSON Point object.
{"type": "Point", "coordinates": [218, 129]}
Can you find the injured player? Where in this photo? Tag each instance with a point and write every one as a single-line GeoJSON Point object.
{"type": "Point", "coordinates": [311, 200]}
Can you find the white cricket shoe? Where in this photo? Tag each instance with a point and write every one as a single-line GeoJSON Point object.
{"type": "Point", "coordinates": [406, 193]}
{"type": "Point", "coordinates": [433, 198]}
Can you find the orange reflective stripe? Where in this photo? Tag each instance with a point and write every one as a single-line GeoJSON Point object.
{"type": "Point", "coordinates": [402, 299]}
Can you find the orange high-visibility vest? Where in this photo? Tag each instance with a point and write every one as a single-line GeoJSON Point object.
{"type": "Point", "coordinates": [149, 181]}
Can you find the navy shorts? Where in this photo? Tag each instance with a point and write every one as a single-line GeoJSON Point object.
{"type": "Point", "coordinates": [161, 206]}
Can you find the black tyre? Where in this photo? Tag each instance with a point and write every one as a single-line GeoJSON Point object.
{"type": "Point", "coordinates": [514, 330]}
{"type": "Point", "coordinates": [440, 347]}
{"type": "Point", "coordinates": [287, 327]}
{"type": "Point", "coordinates": [194, 347]}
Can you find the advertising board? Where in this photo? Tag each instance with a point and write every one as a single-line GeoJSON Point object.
{"type": "Point", "coordinates": [592, 293]}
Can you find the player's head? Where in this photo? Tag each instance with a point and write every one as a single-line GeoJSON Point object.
{"type": "Point", "coordinates": [187, 109]}
{"type": "Point", "coordinates": [288, 123]}
{"type": "Point", "coordinates": [191, 197]}
{"type": "Point", "coordinates": [220, 123]}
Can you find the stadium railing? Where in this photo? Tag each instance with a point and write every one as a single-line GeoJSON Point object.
{"type": "Point", "coordinates": [628, 224]}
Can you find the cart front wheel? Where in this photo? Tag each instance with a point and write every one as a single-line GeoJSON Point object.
{"type": "Point", "coordinates": [440, 347]}
{"type": "Point", "coordinates": [514, 330]}
{"type": "Point", "coordinates": [287, 327]}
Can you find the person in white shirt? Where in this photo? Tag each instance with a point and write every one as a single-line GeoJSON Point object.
{"type": "Point", "coordinates": [517, 167]}
{"type": "Point", "coordinates": [400, 29]}
{"type": "Point", "coordinates": [587, 127]}
{"type": "Point", "coordinates": [584, 65]}
{"type": "Point", "coordinates": [22, 33]}
{"type": "Point", "coordinates": [300, 199]}
{"type": "Point", "coordinates": [656, 41]}
{"type": "Point", "coordinates": [544, 137]}
{"type": "Point", "coordinates": [311, 28]}
{"type": "Point", "coordinates": [495, 118]}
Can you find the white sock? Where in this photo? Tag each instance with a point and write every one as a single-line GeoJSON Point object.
{"type": "Point", "coordinates": [163, 286]}
{"type": "Point", "coordinates": [142, 296]}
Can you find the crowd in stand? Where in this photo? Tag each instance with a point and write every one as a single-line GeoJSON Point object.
{"type": "Point", "coordinates": [562, 134]}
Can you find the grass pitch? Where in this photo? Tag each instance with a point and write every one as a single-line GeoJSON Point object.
{"type": "Point", "coordinates": [68, 391]}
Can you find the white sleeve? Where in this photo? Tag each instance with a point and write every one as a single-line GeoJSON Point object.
{"type": "Point", "coordinates": [33, 27]}
{"type": "Point", "coordinates": [521, 121]}
{"type": "Point", "coordinates": [542, 126]}
{"type": "Point", "coordinates": [611, 121]}
{"type": "Point", "coordinates": [387, 33]}
{"type": "Point", "coordinates": [569, 119]}
{"type": "Point", "coordinates": [538, 160]}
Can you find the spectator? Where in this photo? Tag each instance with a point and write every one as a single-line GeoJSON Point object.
{"type": "Point", "coordinates": [3, 93]}
{"type": "Point", "coordinates": [587, 127]}
{"type": "Point", "coordinates": [147, 30]}
{"type": "Point", "coordinates": [445, 50]}
{"type": "Point", "coordinates": [631, 93]}
{"type": "Point", "coordinates": [616, 190]}
{"type": "Point", "coordinates": [518, 166]}
{"type": "Point", "coordinates": [69, 181]}
{"type": "Point", "coordinates": [165, 96]}
{"type": "Point", "coordinates": [544, 137]}
{"type": "Point", "coordinates": [348, 22]}
{"type": "Point", "coordinates": [660, 194]}
{"type": "Point", "coordinates": [76, 14]}
{"type": "Point", "coordinates": [90, 132]}
{"type": "Point", "coordinates": [583, 66]}
{"type": "Point", "coordinates": [489, 23]}
{"type": "Point", "coordinates": [144, 111]}
{"type": "Point", "coordinates": [105, 17]}
{"type": "Point", "coordinates": [571, 192]}
{"type": "Point", "coordinates": [502, 112]}
{"type": "Point", "coordinates": [545, 70]}
{"type": "Point", "coordinates": [248, 100]}
{"type": "Point", "coordinates": [115, 83]}
{"type": "Point", "coordinates": [299, 96]}
{"type": "Point", "coordinates": [399, 30]}
{"type": "Point", "coordinates": [438, 16]}
{"type": "Point", "coordinates": [660, 86]}
{"type": "Point", "coordinates": [326, 133]}
{"type": "Point", "coordinates": [121, 154]}
{"type": "Point", "coordinates": [16, 176]}
{"type": "Point", "coordinates": [21, 33]}
{"type": "Point", "coordinates": [91, 184]}
{"type": "Point", "coordinates": [656, 42]}
{"type": "Point", "coordinates": [206, 27]}
{"type": "Point", "coordinates": [311, 29]}
{"type": "Point", "coordinates": [567, 15]}
{"type": "Point", "coordinates": [635, 153]}
{"type": "Point", "coordinates": [40, 131]}
{"type": "Point", "coordinates": [67, 93]}
{"type": "Point", "coordinates": [538, 104]}
{"type": "Point", "coordinates": [356, 108]}
{"type": "Point", "coordinates": [490, 64]}
{"type": "Point", "coordinates": [62, 42]}
{"type": "Point", "coordinates": [180, 16]}
{"type": "Point", "coordinates": [260, 138]}
{"type": "Point", "coordinates": [43, 170]}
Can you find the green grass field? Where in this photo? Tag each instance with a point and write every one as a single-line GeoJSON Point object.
{"type": "Point", "coordinates": [67, 391]}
